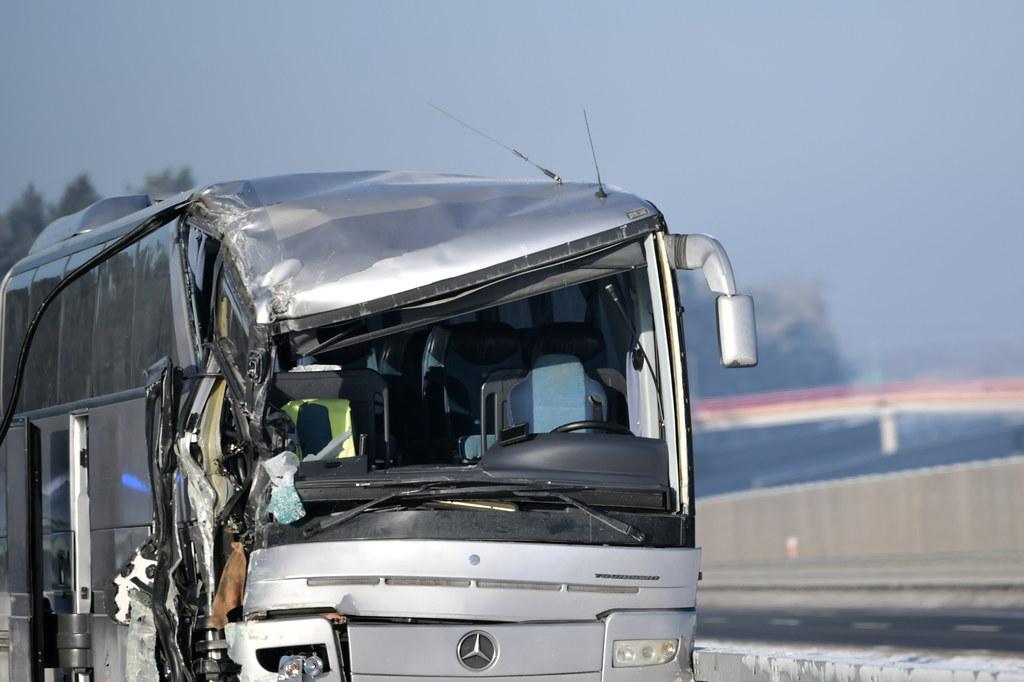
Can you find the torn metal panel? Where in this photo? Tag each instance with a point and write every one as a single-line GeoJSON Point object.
{"type": "Point", "coordinates": [202, 498]}
{"type": "Point", "coordinates": [162, 394]}
{"type": "Point", "coordinates": [140, 661]}
{"type": "Point", "coordinates": [305, 245]}
{"type": "Point", "coordinates": [210, 444]}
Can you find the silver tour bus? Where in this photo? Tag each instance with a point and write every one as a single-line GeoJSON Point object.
{"type": "Point", "coordinates": [354, 426]}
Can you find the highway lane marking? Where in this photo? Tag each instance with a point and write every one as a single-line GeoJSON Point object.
{"type": "Point", "coordinates": [977, 628]}
{"type": "Point", "coordinates": [788, 622]}
{"type": "Point", "coordinates": [871, 626]}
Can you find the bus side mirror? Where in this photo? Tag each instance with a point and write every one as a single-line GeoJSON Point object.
{"type": "Point", "coordinates": [737, 335]}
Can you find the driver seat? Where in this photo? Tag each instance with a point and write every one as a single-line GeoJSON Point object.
{"type": "Point", "coordinates": [556, 391]}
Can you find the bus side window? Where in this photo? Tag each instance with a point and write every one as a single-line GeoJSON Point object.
{"type": "Point", "coordinates": [75, 357]}
{"type": "Point", "coordinates": [40, 390]}
{"type": "Point", "coordinates": [232, 325]}
{"type": "Point", "coordinates": [115, 310]}
{"type": "Point", "coordinates": [15, 310]}
{"type": "Point", "coordinates": [201, 255]}
{"type": "Point", "coordinates": [152, 337]}
{"type": "Point", "coordinates": [4, 586]}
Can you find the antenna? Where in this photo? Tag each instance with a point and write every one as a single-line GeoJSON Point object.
{"type": "Point", "coordinates": [600, 194]}
{"type": "Point", "coordinates": [554, 176]}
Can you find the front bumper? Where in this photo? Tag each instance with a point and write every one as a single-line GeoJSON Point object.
{"type": "Point", "coordinates": [540, 652]}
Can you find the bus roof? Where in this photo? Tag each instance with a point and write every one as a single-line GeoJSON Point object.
{"type": "Point", "coordinates": [357, 243]}
{"type": "Point", "coordinates": [344, 245]}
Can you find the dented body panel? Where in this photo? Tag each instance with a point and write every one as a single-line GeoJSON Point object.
{"type": "Point", "coordinates": [352, 426]}
{"type": "Point", "coordinates": [343, 245]}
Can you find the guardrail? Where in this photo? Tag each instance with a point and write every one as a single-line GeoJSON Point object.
{"type": "Point", "coordinates": [742, 664]}
{"type": "Point", "coordinates": [976, 580]}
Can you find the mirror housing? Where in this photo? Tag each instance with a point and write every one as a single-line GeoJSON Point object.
{"type": "Point", "coordinates": [737, 334]}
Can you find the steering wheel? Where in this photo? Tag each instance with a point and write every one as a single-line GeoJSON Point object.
{"type": "Point", "coordinates": [610, 427]}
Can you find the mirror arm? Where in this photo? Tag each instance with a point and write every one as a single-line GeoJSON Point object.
{"type": "Point", "coordinates": [702, 252]}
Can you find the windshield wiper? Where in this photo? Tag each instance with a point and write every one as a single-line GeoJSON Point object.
{"type": "Point", "coordinates": [599, 516]}
{"type": "Point", "coordinates": [427, 491]}
{"type": "Point", "coordinates": [436, 490]}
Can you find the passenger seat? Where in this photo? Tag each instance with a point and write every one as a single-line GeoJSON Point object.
{"type": "Point", "coordinates": [557, 391]}
{"type": "Point", "coordinates": [457, 360]}
{"type": "Point", "coordinates": [320, 422]}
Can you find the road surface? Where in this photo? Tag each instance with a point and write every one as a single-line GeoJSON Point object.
{"type": "Point", "coordinates": [951, 631]}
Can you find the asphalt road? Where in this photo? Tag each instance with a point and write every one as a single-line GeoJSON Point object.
{"type": "Point", "coordinates": [949, 631]}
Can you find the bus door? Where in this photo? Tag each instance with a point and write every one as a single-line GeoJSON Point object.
{"type": "Point", "coordinates": [54, 570]}
{"type": "Point", "coordinates": [73, 629]}
{"type": "Point", "coordinates": [24, 538]}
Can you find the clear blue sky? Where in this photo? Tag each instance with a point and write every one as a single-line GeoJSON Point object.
{"type": "Point", "coordinates": [874, 148]}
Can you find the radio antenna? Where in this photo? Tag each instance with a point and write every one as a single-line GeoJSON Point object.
{"type": "Point", "coordinates": [600, 194]}
{"type": "Point", "coordinates": [551, 174]}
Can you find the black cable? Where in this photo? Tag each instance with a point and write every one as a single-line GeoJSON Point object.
{"type": "Point", "coordinates": [155, 221]}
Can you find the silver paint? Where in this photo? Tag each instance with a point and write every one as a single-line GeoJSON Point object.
{"type": "Point", "coordinates": [431, 650]}
{"type": "Point", "coordinates": [514, 582]}
{"type": "Point", "coordinates": [307, 244]}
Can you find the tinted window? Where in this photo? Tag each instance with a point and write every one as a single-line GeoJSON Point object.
{"type": "Point", "coordinates": [40, 388]}
{"type": "Point", "coordinates": [78, 314]}
{"type": "Point", "coordinates": [233, 325]}
{"type": "Point", "coordinates": [569, 305]}
{"type": "Point", "coordinates": [152, 338]}
{"type": "Point", "coordinates": [15, 320]}
{"type": "Point", "coordinates": [115, 312]}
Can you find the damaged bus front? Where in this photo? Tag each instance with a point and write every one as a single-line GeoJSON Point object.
{"type": "Point", "coordinates": [380, 425]}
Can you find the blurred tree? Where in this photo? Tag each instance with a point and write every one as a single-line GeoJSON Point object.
{"type": "Point", "coordinates": [77, 195]}
{"type": "Point", "coordinates": [23, 221]}
{"type": "Point", "coordinates": [797, 344]}
{"type": "Point", "coordinates": [27, 215]}
{"type": "Point", "coordinates": [6, 244]}
{"type": "Point", "coordinates": [167, 181]}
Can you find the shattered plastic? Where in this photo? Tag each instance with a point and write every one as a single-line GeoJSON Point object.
{"type": "Point", "coordinates": [135, 575]}
{"type": "Point", "coordinates": [309, 244]}
{"type": "Point", "coordinates": [285, 504]}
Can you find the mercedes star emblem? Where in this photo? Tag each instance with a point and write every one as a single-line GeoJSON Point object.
{"type": "Point", "coordinates": [477, 651]}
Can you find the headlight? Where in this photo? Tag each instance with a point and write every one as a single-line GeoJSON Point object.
{"type": "Point", "coordinates": [290, 668]}
{"type": "Point", "coordinates": [300, 667]}
{"type": "Point", "coordinates": [313, 666]}
{"type": "Point", "coordinates": [633, 653]}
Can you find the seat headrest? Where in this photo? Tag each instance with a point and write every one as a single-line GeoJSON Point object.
{"type": "Point", "coordinates": [568, 338]}
{"type": "Point", "coordinates": [483, 343]}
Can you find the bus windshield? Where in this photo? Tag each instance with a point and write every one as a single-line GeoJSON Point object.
{"type": "Point", "coordinates": [577, 361]}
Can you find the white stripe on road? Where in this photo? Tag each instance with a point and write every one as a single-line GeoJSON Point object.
{"type": "Point", "coordinates": [788, 622]}
{"type": "Point", "coordinates": [977, 628]}
{"type": "Point", "coordinates": [871, 626]}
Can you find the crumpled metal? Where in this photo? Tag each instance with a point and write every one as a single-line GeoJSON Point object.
{"type": "Point", "coordinates": [318, 242]}
{"type": "Point", "coordinates": [140, 657]}
{"type": "Point", "coordinates": [202, 498]}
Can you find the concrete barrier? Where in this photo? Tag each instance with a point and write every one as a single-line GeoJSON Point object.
{"type": "Point", "coordinates": [950, 536]}
{"type": "Point", "coordinates": [964, 508]}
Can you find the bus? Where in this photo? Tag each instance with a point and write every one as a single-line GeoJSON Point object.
{"type": "Point", "coordinates": [353, 427]}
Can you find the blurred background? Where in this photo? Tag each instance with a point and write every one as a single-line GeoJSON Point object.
{"type": "Point", "coordinates": [861, 162]}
